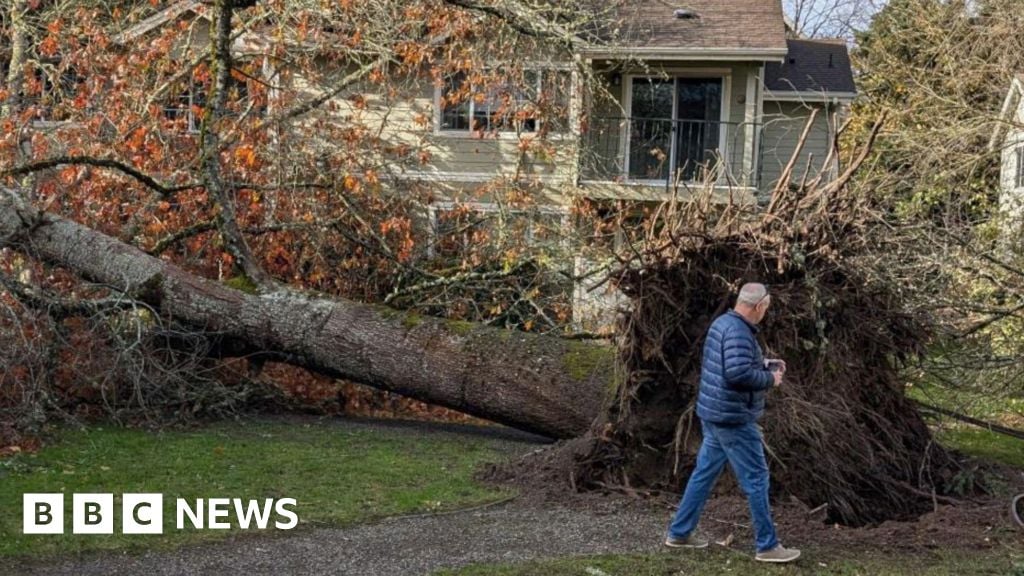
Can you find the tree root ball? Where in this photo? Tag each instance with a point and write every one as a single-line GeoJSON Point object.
{"type": "Point", "coordinates": [839, 431]}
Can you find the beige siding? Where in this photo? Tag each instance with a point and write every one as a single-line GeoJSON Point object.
{"type": "Point", "coordinates": [449, 158]}
{"type": "Point", "coordinates": [413, 119]}
{"type": "Point", "coordinates": [194, 41]}
{"type": "Point", "coordinates": [783, 122]}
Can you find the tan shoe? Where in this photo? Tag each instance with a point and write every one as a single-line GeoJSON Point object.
{"type": "Point", "coordinates": [691, 541]}
{"type": "Point", "coordinates": [778, 554]}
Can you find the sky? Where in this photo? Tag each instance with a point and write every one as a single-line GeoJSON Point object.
{"type": "Point", "coordinates": [831, 18]}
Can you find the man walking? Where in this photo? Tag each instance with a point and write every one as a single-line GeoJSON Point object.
{"type": "Point", "coordinates": [734, 378]}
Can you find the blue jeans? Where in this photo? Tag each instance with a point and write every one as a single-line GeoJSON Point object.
{"type": "Point", "coordinates": [741, 446]}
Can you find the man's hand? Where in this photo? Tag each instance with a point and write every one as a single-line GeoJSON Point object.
{"type": "Point", "coordinates": [777, 375]}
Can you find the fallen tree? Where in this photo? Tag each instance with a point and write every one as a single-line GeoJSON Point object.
{"type": "Point", "coordinates": [541, 384]}
{"type": "Point", "coordinates": [840, 431]}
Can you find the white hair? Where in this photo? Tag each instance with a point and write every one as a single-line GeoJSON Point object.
{"type": "Point", "coordinates": [752, 293]}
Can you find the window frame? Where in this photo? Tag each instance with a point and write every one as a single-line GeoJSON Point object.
{"type": "Point", "coordinates": [541, 69]}
{"type": "Point", "coordinates": [191, 122]}
{"type": "Point", "coordinates": [194, 90]}
{"type": "Point", "coordinates": [725, 113]}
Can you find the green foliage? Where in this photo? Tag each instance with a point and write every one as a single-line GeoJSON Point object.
{"type": "Point", "coordinates": [338, 475]}
{"type": "Point", "coordinates": [243, 283]}
{"type": "Point", "coordinates": [984, 444]}
{"type": "Point", "coordinates": [940, 72]}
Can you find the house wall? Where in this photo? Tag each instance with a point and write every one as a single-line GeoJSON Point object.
{"type": "Point", "coordinates": [1011, 198]}
{"type": "Point", "coordinates": [457, 160]}
{"type": "Point", "coordinates": [195, 40]}
{"type": "Point", "coordinates": [783, 123]}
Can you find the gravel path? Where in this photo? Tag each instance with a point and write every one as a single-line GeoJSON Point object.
{"type": "Point", "coordinates": [518, 530]}
{"type": "Point", "coordinates": [510, 532]}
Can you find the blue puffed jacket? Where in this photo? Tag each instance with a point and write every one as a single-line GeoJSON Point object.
{"type": "Point", "coordinates": [733, 379]}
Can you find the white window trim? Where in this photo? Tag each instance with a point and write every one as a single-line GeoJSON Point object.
{"type": "Point", "coordinates": [192, 121]}
{"type": "Point", "coordinates": [627, 79]}
{"type": "Point", "coordinates": [470, 134]}
{"type": "Point", "coordinates": [492, 207]}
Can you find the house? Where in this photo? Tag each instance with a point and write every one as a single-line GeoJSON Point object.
{"type": "Point", "coordinates": [688, 93]}
{"type": "Point", "coordinates": [1008, 141]}
{"type": "Point", "coordinates": [695, 91]}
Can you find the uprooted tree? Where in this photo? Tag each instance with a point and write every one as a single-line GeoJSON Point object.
{"type": "Point", "coordinates": [261, 144]}
{"type": "Point", "coordinates": [537, 383]}
{"type": "Point", "coordinates": [840, 430]}
{"type": "Point", "coordinates": [268, 205]}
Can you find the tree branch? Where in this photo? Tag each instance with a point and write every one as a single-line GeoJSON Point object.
{"type": "Point", "coordinates": [227, 221]}
{"type": "Point", "coordinates": [122, 167]}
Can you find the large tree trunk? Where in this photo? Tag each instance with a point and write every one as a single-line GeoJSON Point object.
{"type": "Point", "coordinates": [542, 384]}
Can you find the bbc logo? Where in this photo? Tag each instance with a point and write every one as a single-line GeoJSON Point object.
{"type": "Point", "coordinates": [92, 513]}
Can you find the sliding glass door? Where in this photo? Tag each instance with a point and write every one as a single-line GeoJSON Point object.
{"type": "Point", "coordinates": [674, 127]}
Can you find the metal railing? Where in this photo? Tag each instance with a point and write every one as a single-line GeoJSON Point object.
{"type": "Point", "coordinates": [664, 150]}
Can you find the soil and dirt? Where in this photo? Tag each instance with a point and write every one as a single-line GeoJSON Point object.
{"type": "Point", "coordinates": [976, 522]}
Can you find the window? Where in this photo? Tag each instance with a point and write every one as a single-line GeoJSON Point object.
{"type": "Point", "coordinates": [1019, 180]}
{"type": "Point", "coordinates": [537, 100]}
{"type": "Point", "coordinates": [187, 105]}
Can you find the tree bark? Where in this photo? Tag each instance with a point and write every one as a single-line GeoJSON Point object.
{"type": "Point", "coordinates": [223, 195]}
{"type": "Point", "coordinates": [541, 384]}
{"type": "Point", "coordinates": [19, 55]}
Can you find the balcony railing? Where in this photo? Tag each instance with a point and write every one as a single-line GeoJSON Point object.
{"type": "Point", "coordinates": [665, 151]}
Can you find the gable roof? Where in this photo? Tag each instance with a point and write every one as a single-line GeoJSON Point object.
{"type": "Point", "coordinates": [1007, 114]}
{"type": "Point", "coordinates": [153, 22]}
{"type": "Point", "coordinates": [817, 66]}
{"type": "Point", "coordinates": [712, 29]}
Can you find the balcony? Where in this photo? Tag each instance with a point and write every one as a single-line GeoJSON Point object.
{"type": "Point", "coordinates": [663, 152]}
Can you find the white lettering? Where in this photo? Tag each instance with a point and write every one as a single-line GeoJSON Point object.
{"type": "Point", "coordinates": [218, 508]}
{"type": "Point", "coordinates": [262, 516]}
{"type": "Point", "coordinates": [283, 511]}
{"type": "Point", "coordinates": [195, 516]}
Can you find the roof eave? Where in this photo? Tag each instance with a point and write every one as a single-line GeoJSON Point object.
{"type": "Point", "coordinates": [808, 96]}
{"type": "Point", "coordinates": [1005, 113]}
{"type": "Point", "coordinates": [676, 53]}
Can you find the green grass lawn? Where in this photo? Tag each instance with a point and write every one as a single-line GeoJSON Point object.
{"type": "Point", "coordinates": [983, 444]}
{"type": "Point", "coordinates": [720, 562]}
{"type": "Point", "coordinates": [998, 407]}
{"type": "Point", "coordinates": [338, 474]}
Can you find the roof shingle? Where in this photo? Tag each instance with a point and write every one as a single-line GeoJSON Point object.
{"type": "Point", "coordinates": [812, 66]}
{"type": "Point", "coordinates": [750, 25]}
